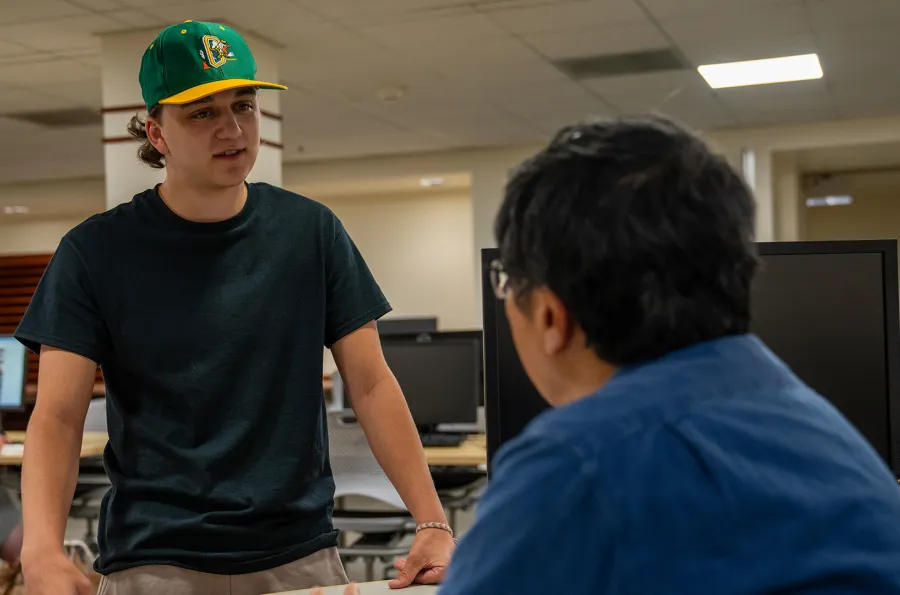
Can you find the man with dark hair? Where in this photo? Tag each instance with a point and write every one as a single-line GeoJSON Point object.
{"type": "Point", "coordinates": [208, 302]}
{"type": "Point", "coordinates": [681, 456]}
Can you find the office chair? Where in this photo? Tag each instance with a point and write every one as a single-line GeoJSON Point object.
{"type": "Point", "coordinates": [357, 474]}
{"type": "Point", "coordinates": [93, 482]}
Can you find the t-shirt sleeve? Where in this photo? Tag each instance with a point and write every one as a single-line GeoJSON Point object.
{"type": "Point", "coordinates": [63, 311]}
{"type": "Point", "coordinates": [353, 297]}
{"type": "Point", "coordinates": [535, 530]}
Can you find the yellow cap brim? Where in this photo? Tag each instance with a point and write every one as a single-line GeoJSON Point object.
{"type": "Point", "coordinates": [207, 89]}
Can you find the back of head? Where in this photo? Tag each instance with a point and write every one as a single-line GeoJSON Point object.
{"type": "Point", "coordinates": [645, 235]}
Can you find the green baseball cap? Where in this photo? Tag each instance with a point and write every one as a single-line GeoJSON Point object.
{"type": "Point", "coordinates": [193, 60]}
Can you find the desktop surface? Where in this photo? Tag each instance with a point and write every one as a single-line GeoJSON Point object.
{"type": "Point", "coordinates": [13, 362]}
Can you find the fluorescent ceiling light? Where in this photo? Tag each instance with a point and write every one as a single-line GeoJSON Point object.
{"type": "Point", "coordinates": [15, 210]}
{"type": "Point", "coordinates": [431, 182]}
{"type": "Point", "coordinates": [762, 72]}
{"type": "Point", "coordinates": [829, 201]}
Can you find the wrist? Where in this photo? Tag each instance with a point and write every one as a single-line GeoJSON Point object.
{"type": "Point", "coordinates": [435, 527]}
{"type": "Point", "coordinates": [34, 552]}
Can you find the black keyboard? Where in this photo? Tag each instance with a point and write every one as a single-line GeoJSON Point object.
{"type": "Point", "coordinates": [442, 439]}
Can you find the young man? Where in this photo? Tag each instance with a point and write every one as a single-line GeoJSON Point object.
{"type": "Point", "coordinates": [207, 302]}
{"type": "Point", "coordinates": [682, 456]}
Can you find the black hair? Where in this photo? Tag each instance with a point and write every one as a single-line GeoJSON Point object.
{"type": "Point", "coordinates": [644, 234]}
{"type": "Point", "coordinates": [146, 152]}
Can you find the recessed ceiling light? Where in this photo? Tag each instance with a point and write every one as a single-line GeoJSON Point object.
{"type": "Point", "coordinates": [15, 210]}
{"type": "Point", "coordinates": [431, 182]}
{"type": "Point", "coordinates": [762, 72]}
{"type": "Point", "coordinates": [830, 201]}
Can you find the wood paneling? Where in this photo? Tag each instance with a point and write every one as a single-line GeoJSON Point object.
{"type": "Point", "coordinates": [19, 276]}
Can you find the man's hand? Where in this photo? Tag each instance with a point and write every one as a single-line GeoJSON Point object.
{"type": "Point", "coordinates": [351, 589]}
{"type": "Point", "coordinates": [54, 574]}
{"type": "Point", "coordinates": [427, 561]}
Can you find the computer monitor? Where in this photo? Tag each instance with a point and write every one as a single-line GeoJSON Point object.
{"type": "Point", "coordinates": [13, 366]}
{"type": "Point", "coordinates": [828, 309]}
{"type": "Point", "coordinates": [440, 375]}
{"type": "Point", "coordinates": [406, 326]}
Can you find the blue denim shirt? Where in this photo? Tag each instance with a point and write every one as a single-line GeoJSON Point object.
{"type": "Point", "coordinates": [713, 471]}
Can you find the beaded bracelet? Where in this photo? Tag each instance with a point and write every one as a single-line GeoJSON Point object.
{"type": "Point", "coordinates": [441, 526]}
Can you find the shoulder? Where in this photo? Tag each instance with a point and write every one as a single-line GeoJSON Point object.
{"type": "Point", "coordinates": [102, 227]}
{"type": "Point", "coordinates": [273, 196]}
{"type": "Point", "coordinates": [295, 207]}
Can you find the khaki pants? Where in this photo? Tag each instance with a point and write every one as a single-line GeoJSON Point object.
{"type": "Point", "coordinates": [322, 569]}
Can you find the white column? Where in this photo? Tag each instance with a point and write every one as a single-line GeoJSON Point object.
{"type": "Point", "coordinates": [757, 170]}
{"type": "Point", "coordinates": [121, 99]}
{"type": "Point", "coordinates": [790, 204]}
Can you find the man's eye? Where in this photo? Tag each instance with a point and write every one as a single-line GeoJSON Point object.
{"type": "Point", "coordinates": [245, 106]}
{"type": "Point", "coordinates": [200, 115]}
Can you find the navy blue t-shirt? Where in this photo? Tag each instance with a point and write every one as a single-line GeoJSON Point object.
{"type": "Point", "coordinates": [210, 337]}
{"type": "Point", "coordinates": [711, 471]}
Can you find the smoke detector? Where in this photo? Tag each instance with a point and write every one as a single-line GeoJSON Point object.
{"type": "Point", "coordinates": [391, 93]}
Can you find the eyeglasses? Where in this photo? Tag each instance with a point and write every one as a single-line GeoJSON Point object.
{"type": "Point", "coordinates": [499, 279]}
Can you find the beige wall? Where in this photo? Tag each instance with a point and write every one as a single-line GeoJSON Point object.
{"type": "Point", "coordinates": [874, 214]}
{"type": "Point", "coordinates": [33, 237]}
{"type": "Point", "coordinates": [420, 249]}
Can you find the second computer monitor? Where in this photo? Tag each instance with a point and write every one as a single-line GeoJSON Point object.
{"type": "Point", "coordinates": [440, 375]}
{"type": "Point", "coordinates": [13, 361]}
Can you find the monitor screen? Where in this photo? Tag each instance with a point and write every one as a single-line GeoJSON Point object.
{"type": "Point", "coordinates": [13, 361]}
{"type": "Point", "coordinates": [440, 375]}
{"type": "Point", "coordinates": [828, 309]}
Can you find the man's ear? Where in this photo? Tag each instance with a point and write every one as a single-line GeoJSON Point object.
{"type": "Point", "coordinates": [552, 319]}
{"type": "Point", "coordinates": [155, 136]}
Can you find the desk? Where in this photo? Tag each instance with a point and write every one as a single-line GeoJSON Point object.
{"type": "Point", "coordinates": [471, 453]}
{"type": "Point", "coordinates": [376, 588]}
{"type": "Point", "coordinates": [92, 445]}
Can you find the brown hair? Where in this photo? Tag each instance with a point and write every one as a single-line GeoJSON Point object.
{"type": "Point", "coordinates": [147, 152]}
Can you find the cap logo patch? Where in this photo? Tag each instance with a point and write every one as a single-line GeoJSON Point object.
{"type": "Point", "coordinates": [217, 52]}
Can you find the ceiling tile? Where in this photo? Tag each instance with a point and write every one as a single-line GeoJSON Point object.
{"type": "Point", "coordinates": [136, 18]}
{"type": "Point", "coordinates": [736, 50]}
{"type": "Point", "coordinates": [627, 37]}
{"type": "Point", "coordinates": [369, 10]}
{"type": "Point", "coordinates": [836, 15]}
{"type": "Point", "coordinates": [860, 48]}
{"type": "Point", "coordinates": [742, 23]}
{"type": "Point", "coordinates": [786, 116]}
{"type": "Point", "coordinates": [550, 107]}
{"type": "Point", "coordinates": [464, 28]}
{"type": "Point", "coordinates": [9, 49]}
{"type": "Point", "coordinates": [664, 9]}
{"type": "Point", "coordinates": [359, 78]}
{"type": "Point", "coordinates": [98, 5]}
{"type": "Point", "coordinates": [14, 99]}
{"type": "Point", "coordinates": [156, 3]}
{"type": "Point", "coordinates": [566, 15]}
{"type": "Point", "coordinates": [805, 101]}
{"type": "Point", "coordinates": [61, 35]}
{"type": "Point", "coordinates": [657, 85]}
{"type": "Point", "coordinates": [59, 71]}
{"type": "Point", "coordinates": [85, 93]}
{"type": "Point", "coordinates": [14, 11]}
{"type": "Point", "coordinates": [492, 76]}
{"type": "Point", "coordinates": [685, 97]}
